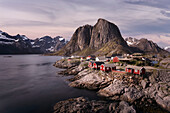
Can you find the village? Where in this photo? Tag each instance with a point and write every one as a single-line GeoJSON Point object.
{"type": "Point", "coordinates": [135, 64]}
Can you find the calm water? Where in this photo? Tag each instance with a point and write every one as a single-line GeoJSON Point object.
{"type": "Point", "coordinates": [30, 84]}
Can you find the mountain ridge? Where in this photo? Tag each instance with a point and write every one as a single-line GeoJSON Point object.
{"type": "Point", "coordinates": [20, 44]}
{"type": "Point", "coordinates": [144, 45]}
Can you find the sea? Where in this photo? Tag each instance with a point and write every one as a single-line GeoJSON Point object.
{"type": "Point", "coordinates": [31, 84]}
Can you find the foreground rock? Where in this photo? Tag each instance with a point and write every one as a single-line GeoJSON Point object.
{"type": "Point", "coordinates": [117, 90]}
{"type": "Point", "coordinates": [165, 63]}
{"type": "Point", "coordinates": [92, 80]}
{"type": "Point", "coordinates": [150, 92]}
{"type": "Point", "coordinates": [160, 88]}
{"type": "Point", "coordinates": [82, 105]}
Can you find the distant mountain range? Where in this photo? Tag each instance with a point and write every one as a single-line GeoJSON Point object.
{"type": "Point", "coordinates": [20, 44]}
{"type": "Point", "coordinates": [144, 46]}
{"type": "Point", "coordinates": [104, 38]}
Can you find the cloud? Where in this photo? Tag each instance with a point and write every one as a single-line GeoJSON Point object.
{"type": "Point", "coordinates": [63, 17]}
{"type": "Point", "coordinates": [164, 4]}
{"type": "Point", "coordinates": [165, 13]}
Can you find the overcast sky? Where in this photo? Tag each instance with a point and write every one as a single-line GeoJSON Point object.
{"type": "Point", "coordinates": [136, 18]}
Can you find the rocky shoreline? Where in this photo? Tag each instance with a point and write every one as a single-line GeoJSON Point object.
{"type": "Point", "coordinates": [150, 92]}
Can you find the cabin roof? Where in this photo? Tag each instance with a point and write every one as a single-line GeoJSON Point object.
{"type": "Point", "coordinates": [101, 58]}
{"type": "Point", "coordinates": [91, 56]}
{"type": "Point", "coordinates": [109, 65]}
{"type": "Point", "coordinates": [135, 67]}
{"type": "Point", "coordinates": [125, 59]}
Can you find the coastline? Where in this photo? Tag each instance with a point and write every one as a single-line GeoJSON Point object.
{"type": "Point", "coordinates": [147, 92]}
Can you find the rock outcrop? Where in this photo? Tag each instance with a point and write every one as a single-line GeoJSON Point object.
{"type": "Point", "coordinates": [91, 80]}
{"type": "Point", "coordinates": [79, 41]}
{"type": "Point", "coordinates": [160, 88]}
{"type": "Point", "coordinates": [165, 63]}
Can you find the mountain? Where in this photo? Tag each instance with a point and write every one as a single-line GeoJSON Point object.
{"type": "Point", "coordinates": [20, 44]}
{"type": "Point", "coordinates": [47, 44]}
{"type": "Point", "coordinates": [145, 46]}
{"type": "Point", "coordinates": [104, 38]}
{"type": "Point", "coordinates": [167, 48]}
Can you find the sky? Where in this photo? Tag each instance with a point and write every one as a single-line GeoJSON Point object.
{"type": "Point", "coordinates": [135, 18]}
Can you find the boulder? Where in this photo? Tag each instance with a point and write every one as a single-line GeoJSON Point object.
{"type": "Point", "coordinates": [115, 88]}
{"type": "Point", "coordinates": [91, 80]}
{"type": "Point", "coordinates": [125, 108]}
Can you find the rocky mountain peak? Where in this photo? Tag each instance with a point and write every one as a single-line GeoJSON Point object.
{"type": "Point", "coordinates": [103, 32]}
{"type": "Point", "coordinates": [89, 39]}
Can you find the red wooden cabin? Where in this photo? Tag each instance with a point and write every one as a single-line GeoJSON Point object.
{"type": "Point", "coordinates": [90, 65]}
{"type": "Point", "coordinates": [130, 70]}
{"type": "Point", "coordinates": [69, 59]}
{"type": "Point", "coordinates": [107, 67]}
{"type": "Point", "coordinates": [115, 59]}
{"type": "Point", "coordinates": [136, 70]}
{"type": "Point", "coordinates": [140, 71]}
{"type": "Point", "coordinates": [96, 65]}
{"type": "Point", "coordinates": [82, 58]}
{"type": "Point", "coordinates": [90, 57]}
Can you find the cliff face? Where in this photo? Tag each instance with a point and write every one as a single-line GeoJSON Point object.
{"type": "Point", "coordinates": [104, 32]}
{"type": "Point", "coordinates": [79, 41]}
{"type": "Point", "coordinates": [102, 39]}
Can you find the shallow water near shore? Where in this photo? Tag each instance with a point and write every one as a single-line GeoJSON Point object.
{"type": "Point", "coordinates": [31, 84]}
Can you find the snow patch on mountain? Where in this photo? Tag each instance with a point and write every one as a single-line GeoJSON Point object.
{"type": "Point", "coordinates": [132, 41]}
{"type": "Point", "coordinates": [61, 38]}
{"type": "Point", "coordinates": [5, 38]}
{"type": "Point", "coordinates": [129, 43]}
{"type": "Point", "coordinates": [24, 37]}
{"type": "Point", "coordinates": [7, 43]}
{"type": "Point", "coordinates": [168, 47]}
{"type": "Point", "coordinates": [51, 49]}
